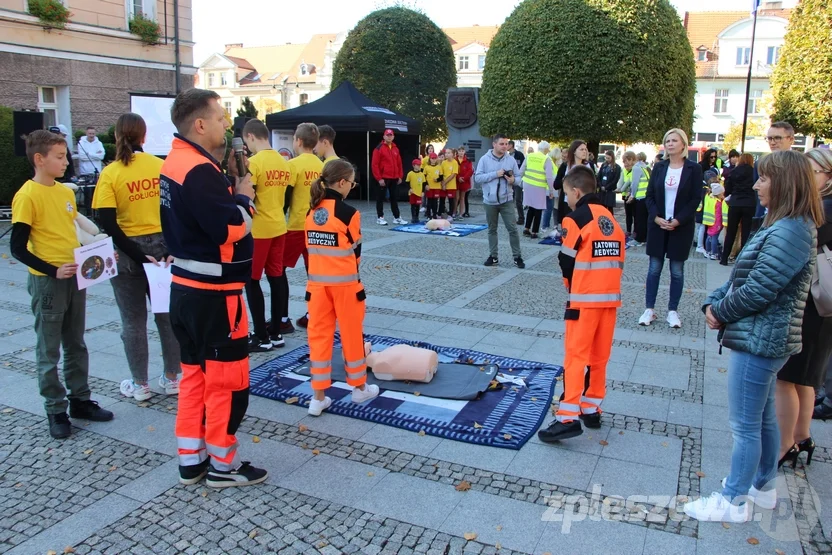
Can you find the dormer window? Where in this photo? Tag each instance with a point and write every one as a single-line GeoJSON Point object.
{"type": "Point", "coordinates": [304, 69]}
{"type": "Point", "coordinates": [702, 54]}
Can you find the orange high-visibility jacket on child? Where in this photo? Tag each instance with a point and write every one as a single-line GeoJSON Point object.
{"type": "Point", "coordinates": [592, 261]}
{"type": "Point", "coordinates": [334, 291]}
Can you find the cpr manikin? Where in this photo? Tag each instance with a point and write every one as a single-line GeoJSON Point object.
{"type": "Point", "coordinates": [402, 362]}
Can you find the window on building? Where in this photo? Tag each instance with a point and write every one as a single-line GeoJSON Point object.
{"type": "Point", "coordinates": [754, 100]}
{"type": "Point", "coordinates": [304, 99]}
{"type": "Point", "coordinates": [48, 104]}
{"type": "Point", "coordinates": [210, 79]}
{"type": "Point", "coordinates": [462, 63]}
{"type": "Point", "coordinates": [721, 101]}
{"type": "Point", "coordinates": [145, 7]}
{"type": "Point", "coordinates": [223, 79]}
{"type": "Point", "coordinates": [227, 107]}
{"type": "Point", "coordinates": [773, 55]}
{"type": "Point", "coordinates": [481, 62]}
{"type": "Point", "coordinates": [743, 56]}
{"type": "Point", "coordinates": [701, 55]}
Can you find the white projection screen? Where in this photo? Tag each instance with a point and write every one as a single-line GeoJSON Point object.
{"type": "Point", "coordinates": [155, 110]}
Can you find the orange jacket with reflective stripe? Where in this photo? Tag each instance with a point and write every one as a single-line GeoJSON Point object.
{"type": "Point", "coordinates": [333, 240]}
{"type": "Point", "coordinates": [592, 256]}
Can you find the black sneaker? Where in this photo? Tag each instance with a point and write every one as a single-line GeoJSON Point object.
{"type": "Point", "coordinates": [527, 233]}
{"type": "Point", "coordinates": [189, 475]}
{"type": "Point", "coordinates": [59, 426]}
{"type": "Point", "coordinates": [257, 345]}
{"type": "Point", "coordinates": [519, 262]}
{"type": "Point", "coordinates": [287, 327]}
{"type": "Point", "coordinates": [491, 261]}
{"type": "Point", "coordinates": [277, 340]}
{"type": "Point", "coordinates": [520, 221]}
{"type": "Point", "coordinates": [466, 215]}
{"type": "Point", "coordinates": [592, 420]}
{"type": "Point", "coordinates": [246, 475]}
{"type": "Point", "coordinates": [303, 321]}
{"type": "Point", "coordinates": [559, 430]}
{"type": "Point", "coordinates": [89, 410]}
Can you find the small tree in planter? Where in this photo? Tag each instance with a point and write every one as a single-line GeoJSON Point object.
{"type": "Point", "coordinates": [147, 29]}
{"type": "Point", "coordinates": [52, 14]}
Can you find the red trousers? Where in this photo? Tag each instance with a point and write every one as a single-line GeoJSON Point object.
{"type": "Point", "coordinates": [326, 305]}
{"type": "Point", "coordinates": [588, 345]}
{"type": "Point", "coordinates": [212, 330]}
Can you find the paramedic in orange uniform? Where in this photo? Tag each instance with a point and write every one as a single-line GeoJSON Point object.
{"type": "Point", "coordinates": [592, 261]}
{"type": "Point", "coordinates": [334, 291]}
{"type": "Point", "coordinates": [206, 224]}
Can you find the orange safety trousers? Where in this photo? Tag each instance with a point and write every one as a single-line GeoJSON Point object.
{"type": "Point", "coordinates": [588, 347]}
{"type": "Point", "coordinates": [212, 330]}
{"type": "Point", "coordinates": [326, 305]}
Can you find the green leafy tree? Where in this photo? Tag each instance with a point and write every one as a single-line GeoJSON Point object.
{"type": "Point", "coordinates": [14, 170]}
{"type": "Point", "coordinates": [599, 70]}
{"type": "Point", "coordinates": [247, 108]}
{"type": "Point", "coordinates": [402, 60]}
{"type": "Point", "coordinates": [802, 81]}
{"type": "Point", "coordinates": [733, 137]}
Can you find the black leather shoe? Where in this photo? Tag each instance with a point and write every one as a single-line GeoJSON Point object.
{"type": "Point", "coordinates": [189, 475]}
{"type": "Point", "coordinates": [592, 420]}
{"type": "Point", "coordinates": [560, 430]}
{"type": "Point", "coordinates": [89, 410]}
{"type": "Point", "coordinates": [59, 426]}
{"type": "Point", "coordinates": [822, 412]}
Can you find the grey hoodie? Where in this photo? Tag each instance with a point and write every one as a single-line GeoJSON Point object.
{"type": "Point", "coordinates": [495, 190]}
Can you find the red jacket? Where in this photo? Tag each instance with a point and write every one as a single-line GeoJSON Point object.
{"type": "Point", "coordinates": [466, 170]}
{"type": "Point", "coordinates": [387, 162]}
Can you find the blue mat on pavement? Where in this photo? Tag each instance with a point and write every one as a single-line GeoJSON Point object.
{"type": "Point", "coordinates": [550, 241]}
{"type": "Point", "coordinates": [457, 230]}
{"type": "Point", "coordinates": [506, 418]}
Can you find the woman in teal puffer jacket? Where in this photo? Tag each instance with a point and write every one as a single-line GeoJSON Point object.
{"type": "Point", "coordinates": [759, 313]}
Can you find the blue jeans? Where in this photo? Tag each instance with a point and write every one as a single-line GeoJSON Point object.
{"type": "Point", "coordinates": [753, 422]}
{"type": "Point", "coordinates": [677, 282]}
{"type": "Point", "coordinates": [547, 214]}
{"type": "Point", "coordinates": [712, 244]}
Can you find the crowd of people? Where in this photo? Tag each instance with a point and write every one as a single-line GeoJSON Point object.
{"type": "Point", "coordinates": [219, 234]}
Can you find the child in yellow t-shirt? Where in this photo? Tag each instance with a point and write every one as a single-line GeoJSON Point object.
{"type": "Point", "coordinates": [433, 180]}
{"type": "Point", "coordinates": [450, 169]}
{"type": "Point", "coordinates": [43, 238]}
{"type": "Point", "coordinates": [416, 180]}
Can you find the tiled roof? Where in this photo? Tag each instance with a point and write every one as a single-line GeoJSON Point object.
{"type": "Point", "coordinates": [463, 36]}
{"type": "Point", "coordinates": [241, 63]}
{"type": "Point", "coordinates": [704, 27]}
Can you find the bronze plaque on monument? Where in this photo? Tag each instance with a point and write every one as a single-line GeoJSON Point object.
{"type": "Point", "coordinates": [461, 108]}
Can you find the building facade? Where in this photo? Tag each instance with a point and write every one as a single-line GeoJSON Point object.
{"type": "Point", "coordinates": [83, 75]}
{"type": "Point", "coordinates": [721, 42]}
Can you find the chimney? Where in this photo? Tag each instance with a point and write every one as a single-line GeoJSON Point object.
{"type": "Point", "coordinates": [233, 45]}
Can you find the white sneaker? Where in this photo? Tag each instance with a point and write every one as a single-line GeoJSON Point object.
{"type": "Point", "coordinates": [422, 209]}
{"type": "Point", "coordinates": [647, 318]}
{"type": "Point", "coordinates": [361, 395]}
{"type": "Point", "coordinates": [763, 499]}
{"type": "Point", "coordinates": [138, 392]}
{"type": "Point", "coordinates": [399, 221]}
{"type": "Point", "coordinates": [706, 255]}
{"type": "Point", "coordinates": [673, 319]}
{"type": "Point", "coordinates": [717, 508]}
{"type": "Point", "coordinates": [381, 221]}
{"type": "Point", "coordinates": [317, 407]}
{"type": "Point", "coordinates": [700, 250]}
{"type": "Point", "coordinates": [171, 387]}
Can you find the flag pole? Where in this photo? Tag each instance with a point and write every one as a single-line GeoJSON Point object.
{"type": "Point", "coordinates": [756, 4]}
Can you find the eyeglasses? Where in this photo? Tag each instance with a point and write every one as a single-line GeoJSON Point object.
{"type": "Point", "coordinates": [353, 184]}
{"type": "Point", "coordinates": [822, 171]}
{"type": "Point", "coordinates": [777, 138]}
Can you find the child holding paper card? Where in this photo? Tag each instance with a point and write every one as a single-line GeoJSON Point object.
{"type": "Point", "coordinates": [127, 200]}
{"type": "Point", "coordinates": [43, 238]}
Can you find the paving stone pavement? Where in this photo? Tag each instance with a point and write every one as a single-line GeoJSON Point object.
{"type": "Point", "coordinates": [339, 485]}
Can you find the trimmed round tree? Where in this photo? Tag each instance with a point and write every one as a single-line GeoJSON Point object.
{"type": "Point", "coordinates": [802, 81]}
{"type": "Point", "coordinates": [598, 70]}
{"type": "Point", "coordinates": [402, 60]}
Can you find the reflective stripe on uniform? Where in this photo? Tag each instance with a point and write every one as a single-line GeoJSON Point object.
{"type": "Point", "coordinates": [569, 407]}
{"type": "Point", "coordinates": [321, 377]}
{"type": "Point", "coordinates": [349, 278]}
{"type": "Point", "coordinates": [226, 466]}
{"type": "Point", "coordinates": [589, 410]}
{"type": "Point", "coordinates": [319, 364]}
{"type": "Point", "coordinates": [591, 400]}
{"type": "Point", "coordinates": [192, 443]}
{"type": "Point", "coordinates": [595, 298]}
{"type": "Point", "coordinates": [197, 267]}
{"type": "Point", "coordinates": [221, 452]}
{"type": "Point", "coordinates": [192, 459]}
{"type": "Point", "coordinates": [603, 265]}
{"type": "Point", "coordinates": [569, 252]}
{"type": "Point", "coordinates": [356, 375]}
{"type": "Point", "coordinates": [340, 253]}
{"type": "Point", "coordinates": [356, 364]}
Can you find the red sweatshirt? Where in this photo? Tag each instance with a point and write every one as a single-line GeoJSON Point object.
{"type": "Point", "coordinates": [466, 171]}
{"type": "Point", "coordinates": [387, 162]}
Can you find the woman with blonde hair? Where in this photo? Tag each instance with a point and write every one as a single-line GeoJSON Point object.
{"type": "Point", "coordinates": [758, 313]}
{"type": "Point", "coordinates": [673, 194]}
{"type": "Point", "coordinates": [804, 372]}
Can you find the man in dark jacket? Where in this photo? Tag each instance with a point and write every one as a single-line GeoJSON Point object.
{"type": "Point", "coordinates": [387, 171]}
{"type": "Point", "coordinates": [518, 188]}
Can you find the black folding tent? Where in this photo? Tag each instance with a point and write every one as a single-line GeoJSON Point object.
{"type": "Point", "coordinates": [359, 124]}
